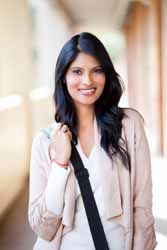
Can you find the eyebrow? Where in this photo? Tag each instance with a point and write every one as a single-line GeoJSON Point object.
{"type": "Point", "coordinates": [78, 67]}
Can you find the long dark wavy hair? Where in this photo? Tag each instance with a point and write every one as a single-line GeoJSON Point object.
{"type": "Point", "coordinates": [108, 115]}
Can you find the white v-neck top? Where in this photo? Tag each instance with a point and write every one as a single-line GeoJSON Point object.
{"type": "Point", "coordinates": [79, 238]}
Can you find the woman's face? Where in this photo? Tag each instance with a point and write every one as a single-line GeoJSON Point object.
{"type": "Point", "coordinates": [85, 79]}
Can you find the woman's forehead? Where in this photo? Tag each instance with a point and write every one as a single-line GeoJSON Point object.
{"type": "Point", "coordinates": [83, 59]}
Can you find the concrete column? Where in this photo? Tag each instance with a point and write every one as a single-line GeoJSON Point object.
{"type": "Point", "coordinates": [143, 32]}
{"type": "Point", "coordinates": [164, 58]}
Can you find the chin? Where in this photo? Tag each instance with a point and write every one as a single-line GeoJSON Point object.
{"type": "Point", "coordinates": [86, 103]}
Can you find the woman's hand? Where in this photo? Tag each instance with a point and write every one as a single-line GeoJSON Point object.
{"type": "Point", "coordinates": [60, 147]}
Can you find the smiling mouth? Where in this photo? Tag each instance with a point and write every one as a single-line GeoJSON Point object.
{"type": "Point", "coordinates": [87, 92]}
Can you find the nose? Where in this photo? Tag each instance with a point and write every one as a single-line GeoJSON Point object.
{"type": "Point", "coordinates": [86, 80]}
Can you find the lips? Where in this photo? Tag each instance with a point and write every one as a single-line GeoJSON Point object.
{"type": "Point", "coordinates": [88, 91]}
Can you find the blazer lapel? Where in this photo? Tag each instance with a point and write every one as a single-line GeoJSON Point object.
{"type": "Point", "coordinates": [109, 178]}
{"type": "Point", "coordinates": [110, 184]}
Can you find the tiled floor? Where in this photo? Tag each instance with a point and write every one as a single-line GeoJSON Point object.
{"type": "Point", "coordinates": [15, 233]}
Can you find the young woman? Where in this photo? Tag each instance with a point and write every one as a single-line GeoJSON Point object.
{"type": "Point", "coordinates": [113, 147]}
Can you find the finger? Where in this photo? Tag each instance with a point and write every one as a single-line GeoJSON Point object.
{"type": "Point", "coordinates": [56, 128]}
{"type": "Point", "coordinates": [69, 134]}
{"type": "Point", "coordinates": [64, 128]}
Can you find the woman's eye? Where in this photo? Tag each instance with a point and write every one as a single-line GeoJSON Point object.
{"type": "Point", "coordinates": [76, 71]}
{"type": "Point", "coordinates": [99, 70]}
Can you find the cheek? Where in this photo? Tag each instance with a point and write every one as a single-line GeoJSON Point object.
{"type": "Point", "coordinates": [101, 81]}
{"type": "Point", "coordinates": [72, 83]}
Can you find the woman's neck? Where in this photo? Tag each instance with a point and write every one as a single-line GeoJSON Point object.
{"type": "Point", "coordinates": [85, 117]}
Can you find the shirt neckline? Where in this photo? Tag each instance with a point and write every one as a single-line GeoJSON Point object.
{"type": "Point", "coordinates": [88, 158]}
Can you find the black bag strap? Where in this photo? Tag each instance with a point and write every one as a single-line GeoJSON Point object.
{"type": "Point", "coordinates": [91, 209]}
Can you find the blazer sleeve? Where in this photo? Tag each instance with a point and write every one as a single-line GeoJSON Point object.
{"type": "Point", "coordinates": [46, 192]}
{"type": "Point", "coordinates": [144, 232]}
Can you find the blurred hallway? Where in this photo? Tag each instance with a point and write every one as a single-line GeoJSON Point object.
{"type": "Point", "coordinates": [14, 229]}
{"type": "Point", "coordinates": [32, 33]}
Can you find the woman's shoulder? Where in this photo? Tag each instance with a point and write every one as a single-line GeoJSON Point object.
{"type": "Point", "coordinates": [133, 121]}
{"type": "Point", "coordinates": [48, 130]}
{"type": "Point", "coordinates": [44, 134]}
{"type": "Point", "coordinates": [131, 114]}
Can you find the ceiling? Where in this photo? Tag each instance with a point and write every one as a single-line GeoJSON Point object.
{"type": "Point", "coordinates": [98, 14]}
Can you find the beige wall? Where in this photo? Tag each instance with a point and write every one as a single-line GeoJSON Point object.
{"type": "Point", "coordinates": [14, 150]}
{"type": "Point", "coordinates": [15, 77]}
{"type": "Point", "coordinates": [23, 36]}
{"type": "Point", "coordinates": [15, 47]}
{"type": "Point", "coordinates": [32, 34]}
{"type": "Point", "coordinates": [51, 29]}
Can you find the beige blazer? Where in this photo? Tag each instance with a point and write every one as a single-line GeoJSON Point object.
{"type": "Point", "coordinates": [127, 195]}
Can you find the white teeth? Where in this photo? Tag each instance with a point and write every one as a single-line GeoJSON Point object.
{"type": "Point", "coordinates": [87, 90]}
